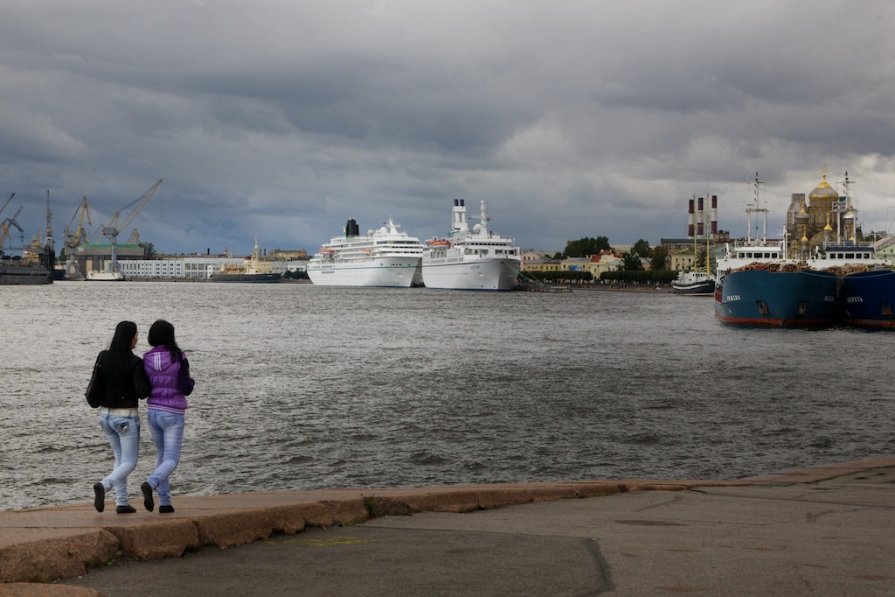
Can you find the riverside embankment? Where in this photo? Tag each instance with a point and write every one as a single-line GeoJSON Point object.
{"type": "Point", "coordinates": [816, 531]}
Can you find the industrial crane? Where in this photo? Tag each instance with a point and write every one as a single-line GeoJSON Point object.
{"type": "Point", "coordinates": [11, 222]}
{"type": "Point", "coordinates": [113, 229]}
{"type": "Point", "coordinates": [71, 241]}
{"type": "Point", "coordinates": [11, 195]}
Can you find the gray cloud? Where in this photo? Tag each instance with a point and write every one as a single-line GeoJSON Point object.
{"type": "Point", "coordinates": [282, 119]}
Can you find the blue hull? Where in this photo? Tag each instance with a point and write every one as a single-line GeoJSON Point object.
{"type": "Point", "coordinates": [758, 297]}
{"type": "Point", "coordinates": [866, 300]}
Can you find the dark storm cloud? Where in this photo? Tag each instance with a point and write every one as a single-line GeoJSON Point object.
{"type": "Point", "coordinates": [281, 119]}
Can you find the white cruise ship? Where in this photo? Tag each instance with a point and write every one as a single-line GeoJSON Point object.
{"type": "Point", "coordinates": [383, 257]}
{"type": "Point", "coordinates": [475, 259]}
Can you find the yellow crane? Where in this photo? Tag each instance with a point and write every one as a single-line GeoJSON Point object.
{"type": "Point", "coordinates": [80, 234]}
{"type": "Point", "coordinates": [74, 240]}
{"type": "Point", "coordinates": [7, 224]}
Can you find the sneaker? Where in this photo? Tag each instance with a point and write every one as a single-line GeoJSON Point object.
{"type": "Point", "coordinates": [148, 502]}
{"type": "Point", "coordinates": [165, 509]}
{"type": "Point", "coordinates": [99, 497]}
{"type": "Point", "coordinates": [125, 509]}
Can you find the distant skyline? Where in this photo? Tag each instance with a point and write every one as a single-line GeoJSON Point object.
{"type": "Point", "coordinates": [280, 120]}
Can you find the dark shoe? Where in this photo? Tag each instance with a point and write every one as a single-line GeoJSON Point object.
{"type": "Point", "coordinates": [165, 509]}
{"type": "Point", "coordinates": [99, 497]}
{"type": "Point", "coordinates": [148, 502]}
{"type": "Point", "coordinates": [125, 509]}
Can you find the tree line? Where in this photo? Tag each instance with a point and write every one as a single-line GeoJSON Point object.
{"type": "Point", "coordinates": [632, 260]}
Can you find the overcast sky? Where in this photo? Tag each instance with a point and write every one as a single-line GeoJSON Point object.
{"type": "Point", "coordinates": [281, 119]}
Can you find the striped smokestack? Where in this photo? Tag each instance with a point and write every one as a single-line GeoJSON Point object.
{"type": "Point", "coordinates": [692, 225]}
{"type": "Point", "coordinates": [700, 218]}
{"type": "Point", "coordinates": [714, 215]}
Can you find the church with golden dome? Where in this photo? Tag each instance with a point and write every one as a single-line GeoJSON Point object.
{"type": "Point", "coordinates": [825, 218]}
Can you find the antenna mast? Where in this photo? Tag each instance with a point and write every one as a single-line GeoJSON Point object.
{"type": "Point", "coordinates": [756, 207]}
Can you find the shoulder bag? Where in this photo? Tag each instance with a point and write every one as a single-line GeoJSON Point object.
{"type": "Point", "coordinates": [97, 386]}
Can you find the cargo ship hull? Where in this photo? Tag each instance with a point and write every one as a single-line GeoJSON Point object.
{"type": "Point", "coordinates": [866, 299]}
{"type": "Point", "coordinates": [763, 298]}
{"type": "Point", "coordinates": [17, 274]}
{"type": "Point", "coordinates": [252, 278]}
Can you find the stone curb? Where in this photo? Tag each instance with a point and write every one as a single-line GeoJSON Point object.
{"type": "Point", "coordinates": [224, 521]}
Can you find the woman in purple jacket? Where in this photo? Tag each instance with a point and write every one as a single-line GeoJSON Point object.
{"type": "Point", "coordinates": [169, 372]}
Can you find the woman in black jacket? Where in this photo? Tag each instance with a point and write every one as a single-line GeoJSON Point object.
{"type": "Point", "coordinates": [124, 382]}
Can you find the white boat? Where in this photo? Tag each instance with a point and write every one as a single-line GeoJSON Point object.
{"type": "Point", "coordinates": [383, 257]}
{"type": "Point", "coordinates": [694, 283]}
{"type": "Point", "coordinates": [475, 259]}
{"type": "Point", "coordinates": [105, 276]}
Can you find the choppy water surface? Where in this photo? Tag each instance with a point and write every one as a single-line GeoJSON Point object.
{"type": "Point", "coordinates": [301, 387]}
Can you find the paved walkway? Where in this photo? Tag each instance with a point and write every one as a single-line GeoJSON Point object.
{"type": "Point", "coordinates": [823, 531]}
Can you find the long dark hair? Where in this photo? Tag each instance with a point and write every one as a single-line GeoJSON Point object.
{"type": "Point", "coordinates": [162, 334]}
{"type": "Point", "coordinates": [118, 359]}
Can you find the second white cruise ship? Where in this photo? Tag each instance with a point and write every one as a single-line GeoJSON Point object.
{"type": "Point", "coordinates": [475, 259]}
{"type": "Point", "coordinates": [383, 257]}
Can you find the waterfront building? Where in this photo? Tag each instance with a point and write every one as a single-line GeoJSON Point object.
{"type": "Point", "coordinates": [605, 261]}
{"type": "Point", "coordinates": [534, 261]}
{"type": "Point", "coordinates": [196, 267]}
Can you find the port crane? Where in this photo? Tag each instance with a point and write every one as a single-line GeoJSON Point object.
{"type": "Point", "coordinates": [72, 241]}
{"type": "Point", "coordinates": [11, 223]}
{"type": "Point", "coordinates": [113, 228]}
{"type": "Point", "coordinates": [11, 195]}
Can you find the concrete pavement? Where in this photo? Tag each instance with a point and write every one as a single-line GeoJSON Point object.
{"type": "Point", "coordinates": [822, 531]}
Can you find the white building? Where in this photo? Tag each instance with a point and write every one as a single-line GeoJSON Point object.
{"type": "Point", "coordinates": [198, 268]}
{"type": "Point", "coordinates": [175, 267]}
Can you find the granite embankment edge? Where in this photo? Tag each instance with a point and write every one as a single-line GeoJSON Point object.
{"type": "Point", "coordinates": [47, 544]}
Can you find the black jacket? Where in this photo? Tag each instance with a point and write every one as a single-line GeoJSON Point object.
{"type": "Point", "coordinates": [125, 389]}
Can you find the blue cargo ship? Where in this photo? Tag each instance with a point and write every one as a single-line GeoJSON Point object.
{"type": "Point", "coordinates": [762, 295]}
{"type": "Point", "coordinates": [866, 284]}
{"type": "Point", "coordinates": [866, 299]}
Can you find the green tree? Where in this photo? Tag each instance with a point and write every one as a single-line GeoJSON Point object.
{"type": "Point", "coordinates": [586, 246]}
{"type": "Point", "coordinates": [642, 248]}
{"type": "Point", "coordinates": [632, 262]}
{"type": "Point", "coordinates": [148, 250]}
{"type": "Point", "coordinates": [659, 260]}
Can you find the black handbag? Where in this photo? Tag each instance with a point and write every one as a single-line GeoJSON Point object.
{"type": "Point", "coordinates": [96, 388]}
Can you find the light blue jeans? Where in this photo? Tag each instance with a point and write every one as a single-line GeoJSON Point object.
{"type": "Point", "coordinates": [167, 435]}
{"type": "Point", "coordinates": [124, 435]}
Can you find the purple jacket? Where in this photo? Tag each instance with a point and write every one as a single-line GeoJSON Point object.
{"type": "Point", "coordinates": [165, 375]}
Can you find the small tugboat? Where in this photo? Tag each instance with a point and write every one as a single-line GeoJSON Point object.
{"type": "Point", "coordinates": [694, 284]}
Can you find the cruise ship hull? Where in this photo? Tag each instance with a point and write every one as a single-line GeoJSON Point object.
{"type": "Point", "coordinates": [866, 299]}
{"type": "Point", "coordinates": [394, 272]}
{"type": "Point", "coordinates": [491, 274]}
{"type": "Point", "coordinates": [758, 297]}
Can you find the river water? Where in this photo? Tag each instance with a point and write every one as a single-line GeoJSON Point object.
{"type": "Point", "coordinates": [301, 387]}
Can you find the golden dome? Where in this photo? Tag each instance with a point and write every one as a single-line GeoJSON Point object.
{"type": "Point", "coordinates": [823, 192]}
